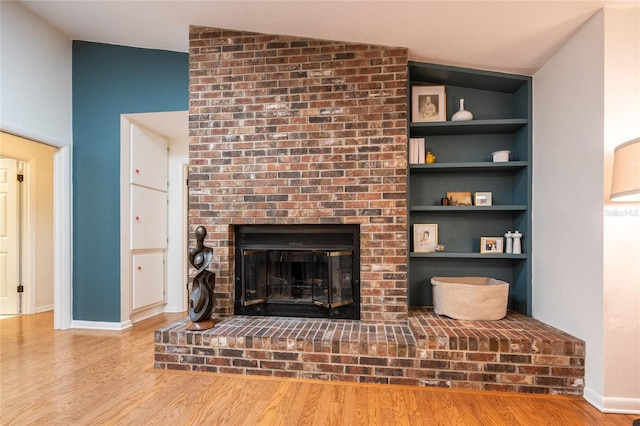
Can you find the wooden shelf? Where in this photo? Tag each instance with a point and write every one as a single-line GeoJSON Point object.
{"type": "Point", "coordinates": [471, 255]}
{"type": "Point", "coordinates": [466, 209]}
{"type": "Point", "coordinates": [457, 76]}
{"type": "Point", "coordinates": [470, 167]}
{"type": "Point", "coordinates": [472, 127]}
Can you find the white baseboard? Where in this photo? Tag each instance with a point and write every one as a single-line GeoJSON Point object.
{"type": "Point", "coordinates": [621, 405]}
{"type": "Point", "coordinates": [612, 405]}
{"type": "Point", "coordinates": [44, 308]}
{"type": "Point", "coordinates": [146, 313]}
{"type": "Point", "coordinates": [100, 325]}
{"type": "Point", "coordinates": [172, 309]}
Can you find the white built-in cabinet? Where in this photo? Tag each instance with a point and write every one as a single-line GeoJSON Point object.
{"type": "Point", "coordinates": [148, 174]}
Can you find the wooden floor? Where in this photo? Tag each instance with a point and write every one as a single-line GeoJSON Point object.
{"type": "Point", "coordinates": [85, 377]}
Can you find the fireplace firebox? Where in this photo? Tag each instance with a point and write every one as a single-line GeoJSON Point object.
{"type": "Point", "coordinates": [308, 271]}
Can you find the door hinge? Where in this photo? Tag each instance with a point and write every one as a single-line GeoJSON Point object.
{"type": "Point", "coordinates": [20, 177]}
{"type": "Point", "coordinates": [20, 288]}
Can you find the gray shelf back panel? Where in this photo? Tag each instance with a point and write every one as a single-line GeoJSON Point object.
{"type": "Point", "coordinates": [434, 186]}
{"type": "Point", "coordinates": [420, 291]}
{"type": "Point", "coordinates": [483, 104]}
{"type": "Point", "coordinates": [468, 148]}
{"type": "Point", "coordinates": [461, 232]}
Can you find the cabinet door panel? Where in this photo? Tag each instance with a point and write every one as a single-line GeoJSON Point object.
{"type": "Point", "coordinates": [149, 221]}
{"type": "Point", "coordinates": [149, 159]}
{"type": "Point", "coordinates": [148, 279]}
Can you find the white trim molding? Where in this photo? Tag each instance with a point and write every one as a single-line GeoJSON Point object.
{"type": "Point", "coordinates": [612, 405]}
{"type": "Point", "coordinates": [62, 253]}
{"type": "Point", "coordinates": [100, 325]}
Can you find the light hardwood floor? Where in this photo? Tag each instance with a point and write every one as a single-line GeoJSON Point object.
{"type": "Point", "coordinates": [85, 377]}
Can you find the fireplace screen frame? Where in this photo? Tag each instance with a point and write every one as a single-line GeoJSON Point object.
{"type": "Point", "coordinates": [321, 276]}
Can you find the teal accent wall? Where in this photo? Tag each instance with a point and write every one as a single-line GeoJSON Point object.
{"type": "Point", "coordinates": [109, 81]}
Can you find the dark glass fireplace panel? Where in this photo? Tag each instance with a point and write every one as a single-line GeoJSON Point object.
{"type": "Point", "coordinates": [309, 271]}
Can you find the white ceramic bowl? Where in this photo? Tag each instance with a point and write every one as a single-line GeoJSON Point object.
{"type": "Point", "coordinates": [501, 156]}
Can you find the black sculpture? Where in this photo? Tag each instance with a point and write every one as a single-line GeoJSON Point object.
{"type": "Point", "coordinates": [202, 298]}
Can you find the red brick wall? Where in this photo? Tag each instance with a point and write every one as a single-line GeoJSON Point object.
{"type": "Point", "coordinates": [287, 130]}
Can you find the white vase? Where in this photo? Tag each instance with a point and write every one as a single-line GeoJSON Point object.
{"type": "Point", "coordinates": [462, 114]}
{"type": "Point", "coordinates": [509, 237]}
{"type": "Point", "coordinates": [517, 246]}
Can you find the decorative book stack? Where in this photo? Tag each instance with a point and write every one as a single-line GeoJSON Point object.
{"type": "Point", "coordinates": [416, 151]}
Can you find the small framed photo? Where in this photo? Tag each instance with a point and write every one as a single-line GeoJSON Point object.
{"type": "Point", "coordinates": [491, 245]}
{"type": "Point", "coordinates": [459, 198]}
{"type": "Point", "coordinates": [482, 199]}
{"type": "Point", "coordinates": [428, 103]}
{"type": "Point", "coordinates": [425, 237]}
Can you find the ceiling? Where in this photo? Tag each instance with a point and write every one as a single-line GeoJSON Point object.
{"type": "Point", "coordinates": [512, 36]}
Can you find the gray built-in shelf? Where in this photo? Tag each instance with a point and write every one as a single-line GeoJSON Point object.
{"type": "Point", "coordinates": [501, 105]}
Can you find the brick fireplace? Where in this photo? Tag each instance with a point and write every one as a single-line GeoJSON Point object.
{"type": "Point", "coordinates": [292, 131]}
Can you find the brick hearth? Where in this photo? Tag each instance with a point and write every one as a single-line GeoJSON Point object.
{"type": "Point", "coordinates": [516, 354]}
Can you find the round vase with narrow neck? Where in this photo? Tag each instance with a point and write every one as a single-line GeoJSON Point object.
{"type": "Point", "coordinates": [462, 114]}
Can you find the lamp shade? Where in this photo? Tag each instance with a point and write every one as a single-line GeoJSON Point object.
{"type": "Point", "coordinates": [625, 183]}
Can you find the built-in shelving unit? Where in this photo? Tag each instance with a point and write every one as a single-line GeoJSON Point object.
{"type": "Point", "coordinates": [501, 105]}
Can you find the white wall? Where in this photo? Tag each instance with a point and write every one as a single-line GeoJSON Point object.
{"type": "Point", "coordinates": [568, 111]}
{"type": "Point", "coordinates": [35, 76]}
{"type": "Point", "coordinates": [621, 220]}
{"type": "Point", "coordinates": [177, 264]}
{"type": "Point", "coordinates": [35, 102]}
{"type": "Point", "coordinates": [38, 237]}
{"type": "Point", "coordinates": [586, 266]}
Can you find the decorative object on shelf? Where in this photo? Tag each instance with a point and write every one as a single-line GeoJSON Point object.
{"type": "Point", "coordinates": [625, 183]}
{"type": "Point", "coordinates": [430, 158]}
{"type": "Point", "coordinates": [416, 151]}
{"type": "Point", "coordinates": [439, 248]}
{"type": "Point", "coordinates": [482, 198]}
{"type": "Point", "coordinates": [470, 298]}
{"type": "Point", "coordinates": [202, 297]}
{"type": "Point", "coordinates": [444, 201]}
{"type": "Point", "coordinates": [517, 245]}
{"type": "Point", "coordinates": [459, 198]}
{"type": "Point", "coordinates": [425, 237]}
{"type": "Point", "coordinates": [462, 114]}
{"type": "Point", "coordinates": [428, 103]}
{"type": "Point", "coordinates": [509, 237]}
{"type": "Point", "coordinates": [491, 245]}
{"type": "Point", "coordinates": [501, 156]}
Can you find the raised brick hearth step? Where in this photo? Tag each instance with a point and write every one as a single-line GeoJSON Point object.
{"type": "Point", "coordinates": [515, 354]}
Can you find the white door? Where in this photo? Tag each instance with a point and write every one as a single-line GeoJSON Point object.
{"type": "Point", "coordinates": [9, 223]}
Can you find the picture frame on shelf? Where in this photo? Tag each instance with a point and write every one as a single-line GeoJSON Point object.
{"type": "Point", "coordinates": [462, 198]}
{"type": "Point", "coordinates": [483, 199]}
{"type": "Point", "coordinates": [425, 237]}
{"type": "Point", "coordinates": [428, 104]}
{"type": "Point", "coordinates": [490, 245]}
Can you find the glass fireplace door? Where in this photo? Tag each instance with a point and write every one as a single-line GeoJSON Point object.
{"type": "Point", "coordinates": [333, 286]}
{"type": "Point", "coordinates": [310, 271]}
{"type": "Point", "coordinates": [254, 267]}
{"type": "Point", "coordinates": [323, 278]}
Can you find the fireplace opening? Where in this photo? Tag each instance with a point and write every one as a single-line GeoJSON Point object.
{"type": "Point", "coordinates": [308, 271]}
